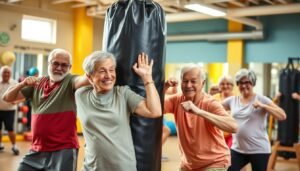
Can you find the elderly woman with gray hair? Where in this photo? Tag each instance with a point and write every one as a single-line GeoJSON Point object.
{"type": "Point", "coordinates": [250, 110]}
{"type": "Point", "coordinates": [226, 85]}
{"type": "Point", "coordinates": [104, 111]}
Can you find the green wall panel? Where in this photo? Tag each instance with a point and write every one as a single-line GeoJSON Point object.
{"type": "Point", "coordinates": [196, 51]}
{"type": "Point", "coordinates": [282, 40]}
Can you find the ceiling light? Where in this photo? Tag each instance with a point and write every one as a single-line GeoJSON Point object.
{"type": "Point", "coordinates": [205, 9]}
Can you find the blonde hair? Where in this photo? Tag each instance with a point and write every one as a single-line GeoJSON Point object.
{"type": "Point", "coordinates": [228, 78]}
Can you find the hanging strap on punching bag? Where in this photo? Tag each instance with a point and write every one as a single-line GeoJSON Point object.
{"type": "Point", "coordinates": [290, 64]}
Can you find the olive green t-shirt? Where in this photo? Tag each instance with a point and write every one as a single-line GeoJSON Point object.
{"type": "Point", "coordinates": [105, 123]}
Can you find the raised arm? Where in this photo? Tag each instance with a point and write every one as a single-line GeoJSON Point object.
{"type": "Point", "coordinates": [225, 123]}
{"type": "Point", "coordinates": [272, 109]}
{"type": "Point", "coordinates": [171, 82]}
{"type": "Point", "coordinates": [14, 94]}
{"type": "Point", "coordinates": [151, 106]}
{"type": "Point", "coordinates": [81, 81]}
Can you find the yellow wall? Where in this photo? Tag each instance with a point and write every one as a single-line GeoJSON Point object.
{"type": "Point", "coordinates": [215, 71]}
{"type": "Point", "coordinates": [83, 43]}
{"type": "Point", "coordinates": [235, 51]}
{"type": "Point", "coordinates": [83, 38]}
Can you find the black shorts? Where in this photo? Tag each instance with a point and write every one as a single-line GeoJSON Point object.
{"type": "Point", "coordinates": [7, 117]}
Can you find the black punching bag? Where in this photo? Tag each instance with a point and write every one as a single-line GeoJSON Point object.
{"type": "Point", "coordinates": [132, 27]}
{"type": "Point", "coordinates": [288, 129]}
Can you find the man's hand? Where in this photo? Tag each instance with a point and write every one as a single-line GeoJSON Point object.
{"type": "Point", "coordinates": [189, 106]}
{"type": "Point", "coordinates": [29, 81]}
{"type": "Point", "coordinates": [171, 82]}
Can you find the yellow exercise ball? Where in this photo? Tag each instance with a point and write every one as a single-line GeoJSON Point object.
{"type": "Point", "coordinates": [7, 58]}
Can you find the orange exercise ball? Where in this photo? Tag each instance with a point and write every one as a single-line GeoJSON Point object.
{"type": "Point", "coordinates": [7, 58]}
{"type": "Point", "coordinates": [24, 109]}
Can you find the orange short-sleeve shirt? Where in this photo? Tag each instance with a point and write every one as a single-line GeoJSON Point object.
{"type": "Point", "coordinates": [202, 144]}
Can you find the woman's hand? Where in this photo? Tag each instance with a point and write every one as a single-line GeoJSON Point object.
{"type": "Point", "coordinates": [143, 68]}
{"type": "Point", "coordinates": [257, 104]}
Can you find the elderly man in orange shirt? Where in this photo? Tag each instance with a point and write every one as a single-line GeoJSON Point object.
{"type": "Point", "coordinates": [200, 121]}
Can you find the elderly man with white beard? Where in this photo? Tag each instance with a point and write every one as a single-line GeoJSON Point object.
{"type": "Point", "coordinates": [55, 143]}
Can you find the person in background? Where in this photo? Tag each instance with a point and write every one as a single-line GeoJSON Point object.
{"type": "Point", "coordinates": [214, 89]}
{"type": "Point", "coordinates": [200, 121]}
{"type": "Point", "coordinates": [54, 137]}
{"type": "Point", "coordinates": [226, 90]}
{"type": "Point", "coordinates": [225, 85]}
{"type": "Point", "coordinates": [7, 110]}
{"type": "Point", "coordinates": [169, 127]}
{"type": "Point", "coordinates": [250, 110]}
{"type": "Point", "coordinates": [104, 111]}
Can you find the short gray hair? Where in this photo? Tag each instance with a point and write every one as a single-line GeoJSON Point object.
{"type": "Point", "coordinates": [95, 57]}
{"type": "Point", "coordinates": [242, 73]}
{"type": "Point", "coordinates": [189, 67]}
{"type": "Point", "coordinates": [5, 67]}
{"type": "Point", "coordinates": [57, 51]}
{"type": "Point", "coordinates": [227, 78]}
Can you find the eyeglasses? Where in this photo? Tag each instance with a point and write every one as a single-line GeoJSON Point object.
{"type": "Point", "coordinates": [57, 64]}
{"type": "Point", "coordinates": [244, 83]}
{"type": "Point", "coordinates": [223, 84]}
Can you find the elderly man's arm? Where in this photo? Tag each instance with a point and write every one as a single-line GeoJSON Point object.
{"type": "Point", "coordinates": [13, 94]}
{"type": "Point", "coordinates": [171, 82]}
{"type": "Point", "coordinates": [81, 81]}
{"type": "Point", "coordinates": [151, 106]}
{"type": "Point", "coordinates": [223, 122]}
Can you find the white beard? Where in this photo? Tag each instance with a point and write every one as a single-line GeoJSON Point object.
{"type": "Point", "coordinates": [56, 77]}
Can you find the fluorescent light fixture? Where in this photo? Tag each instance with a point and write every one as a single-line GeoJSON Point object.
{"type": "Point", "coordinates": [205, 9]}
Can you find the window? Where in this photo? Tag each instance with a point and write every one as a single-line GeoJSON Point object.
{"type": "Point", "coordinates": [38, 29]}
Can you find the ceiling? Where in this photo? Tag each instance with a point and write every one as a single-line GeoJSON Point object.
{"type": "Point", "coordinates": [242, 11]}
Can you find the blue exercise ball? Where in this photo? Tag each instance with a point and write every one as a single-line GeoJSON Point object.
{"type": "Point", "coordinates": [33, 71]}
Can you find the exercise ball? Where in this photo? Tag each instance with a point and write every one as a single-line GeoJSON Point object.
{"type": "Point", "coordinates": [33, 71]}
{"type": "Point", "coordinates": [24, 109]}
{"type": "Point", "coordinates": [7, 58]}
{"type": "Point", "coordinates": [24, 120]}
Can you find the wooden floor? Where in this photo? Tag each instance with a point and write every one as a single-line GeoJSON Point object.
{"type": "Point", "coordinates": [9, 162]}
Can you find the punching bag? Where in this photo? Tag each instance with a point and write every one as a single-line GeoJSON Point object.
{"type": "Point", "coordinates": [288, 129]}
{"type": "Point", "coordinates": [132, 27]}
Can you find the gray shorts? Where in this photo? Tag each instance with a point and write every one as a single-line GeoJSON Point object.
{"type": "Point", "coordinates": [62, 160]}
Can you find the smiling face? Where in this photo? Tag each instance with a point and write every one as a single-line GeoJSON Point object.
{"type": "Point", "coordinates": [191, 84]}
{"type": "Point", "coordinates": [59, 67]}
{"type": "Point", "coordinates": [226, 87]}
{"type": "Point", "coordinates": [245, 87]}
{"type": "Point", "coordinates": [104, 76]}
{"type": "Point", "coordinates": [6, 73]}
